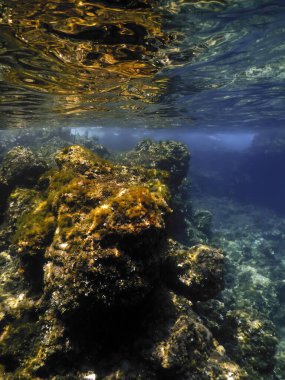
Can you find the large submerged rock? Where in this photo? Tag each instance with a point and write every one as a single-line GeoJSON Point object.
{"type": "Point", "coordinates": [93, 285]}
{"type": "Point", "coordinates": [197, 272]}
{"type": "Point", "coordinates": [100, 229]}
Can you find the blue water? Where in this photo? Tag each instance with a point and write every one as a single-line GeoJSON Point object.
{"type": "Point", "coordinates": [223, 95]}
{"type": "Point", "coordinates": [237, 80]}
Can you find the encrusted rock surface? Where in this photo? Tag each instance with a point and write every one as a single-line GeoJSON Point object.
{"type": "Point", "coordinates": [248, 316]}
{"type": "Point", "coordinates": [93, 284]}
{"type": "Point", "coordinates": [197, 272]}
{"type": "Point", "coordinates": [171, 156]}
{"type": "Point", "coordinates": [21, 167]}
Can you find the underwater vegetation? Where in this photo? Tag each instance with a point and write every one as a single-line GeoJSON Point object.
{"type": "Point", "coordinates": [98, 281]}
{"type": "Point", "coordinates": [130, 265]}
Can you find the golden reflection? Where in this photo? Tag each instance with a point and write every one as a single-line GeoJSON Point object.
{"type": "Point", "coordinates": [93, 55]}
{"type": "Point", "coordinates": [87, 47]}
{"type": "Point", "coordinates": [212, 5]}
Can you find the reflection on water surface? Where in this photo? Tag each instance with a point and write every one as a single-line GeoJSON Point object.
{"type": "Point", "coordinates": [142, 63]}
{"type": "Point", "coordinates": [68, 58]}
{"type": "Point", "coordinates": [100, 51]}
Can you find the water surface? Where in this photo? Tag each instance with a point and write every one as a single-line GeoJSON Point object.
{"type": "Point", "coordinates": [211, 64]}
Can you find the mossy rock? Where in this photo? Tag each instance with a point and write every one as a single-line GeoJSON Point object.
{"type": "Point", "coordinates": [93, 243]}
{"type": "Point", "coordinates": [21, 166]}
{"type": "Point", "coordinates": [251, 341]}
{"type": "Point", "coordinates": [100, 229]}
{"type": "Point", "coordinates": [197, 273]}
{"type": "Point", "coordinates": [178, 345]}
{"type": "Point", "coordinates": [171, 156]}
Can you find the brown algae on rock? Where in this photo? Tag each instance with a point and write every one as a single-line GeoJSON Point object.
{"type": "Point", "coordinates": [95, 212]}
{"type": "Point", "coordinates": [197, 272]}
{"type": "Point", "coordinates": [100, 285]}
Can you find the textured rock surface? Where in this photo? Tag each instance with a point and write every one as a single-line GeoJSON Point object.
{"type": "Point", "coordinates": [21, 167]}
{"type": "Point", "coordinates": [100, 229]}
{"type": "Point", "coordinates": [246, 315]}
{"type": "Point", "coordinates": [252, 334]}
{"type": "Point", "coordinates": [92, 283]}
{"type": "Point", "coordinates": [171, 156]}
{"type": "Point", "coordinates": [197, 272]}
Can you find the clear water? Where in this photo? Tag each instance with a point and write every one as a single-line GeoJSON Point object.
{"type": "Point", "coordinates": [215, 81]}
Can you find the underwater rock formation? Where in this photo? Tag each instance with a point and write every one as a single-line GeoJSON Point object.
{"type": "Point", "coordinates": [171, 156]}
{"type": "Point", "coordinates": [21, 167]}
{"type": "Point", "coordinates": [92, 283]}
{"type": "Point", "coordinates": [104, 227]}
{"type": "Point", "coordinates": [197, 272]}
{"type": "Point", "coordinates": [248, 316]}
{"type": "Point", "coordinates": [252, 333]}
{"type": "Point", "coordinates": [46, 142]}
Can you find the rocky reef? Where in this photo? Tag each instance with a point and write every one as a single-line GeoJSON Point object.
{"type": "Point", "coordinates": [254, 241]}
{"type": "Point", "coordinates": [96, 283]}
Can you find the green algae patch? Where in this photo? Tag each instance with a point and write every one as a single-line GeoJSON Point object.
{"type": "Point", "coordinates": [91, 188]}
{"type": "Point", "coordinates": [80, 243]}
{"type": "Point", "coordinates": [82, 160]}
{"type": "Point", "coordinates": [35, 229]}
{"type": "Point", "coordinates": [134, 208]}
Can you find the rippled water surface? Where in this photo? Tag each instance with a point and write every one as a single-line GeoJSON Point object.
{"type": "Point", "coordinates": [151, 64]}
